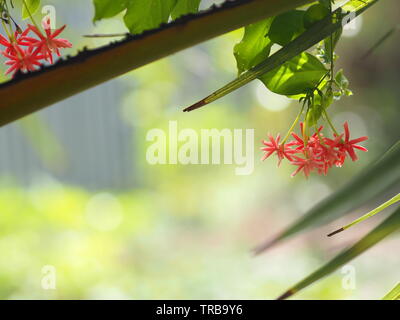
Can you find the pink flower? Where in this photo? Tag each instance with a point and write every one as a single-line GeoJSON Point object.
{"type": "Point", "coordinates": [282, 150]}
{"type": "Point", "coordinates": [48, 42]}
{"type": "Point", "coordinates": [316, 152]}
{"type": "Point", "coordinates": [349, 145]}
{"type": "Point", "coordinates": [307, 164]}
{"type": "Point", "coordinates": [17, 41]}
{"type": "Point", "coordinates": [23, 60]}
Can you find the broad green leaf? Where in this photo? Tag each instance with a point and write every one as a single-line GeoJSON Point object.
{"type": "Point", "coordinates": [287, 27]}
{"type": "Point", "coordinates": [147, 14]}
{"type": "Point", "coordinates": [184, 7]}
{"type": "Point", "coordinates": [389, 226]}
{"type": "Point", "coordinates": [371, 182]}
{"type": "Point", "coordinates": [309, 38]}
{"type": "Point", "coordinates": [108, 8]}
{"type": "Point", "coordinates": [394, 294]}
{"type": "Point", "coordinates": [254, 47]}
{"type": "Point", "coordinates": [29, 8]}
{"type": "Point", "coordinates": [296, 76]}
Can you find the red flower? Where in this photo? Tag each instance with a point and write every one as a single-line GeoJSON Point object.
{"type": "Point", "coordinates": [349, 145]}
{"type": "Point", "coordinates": [307, 164]}
{"type": "Point", "coordinates": [331, 152]}
{"type": "Point", "coordinates": [47, 43]}
{"type": "Point", "coordinates": [17, 41]}
{"type": "Point", "coordinates": [282, 150]}
{"type": "Point", "coordinates": [315, 153]}
{"type": "Point", "coordinates": [22, 60]}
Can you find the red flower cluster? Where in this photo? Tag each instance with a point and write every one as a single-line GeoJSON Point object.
{"type": "Point", "coordinates": [25, 53]}
{"type": "Point", "coordinates": [314, 153]}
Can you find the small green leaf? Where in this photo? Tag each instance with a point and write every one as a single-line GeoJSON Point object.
{"type": "Point", "coordinates": [341, 80]}
{"type": "Point", "coordinates": [254, 47]}
{"type": "Point", "coordinates": [29, 8]}
{"type": "Point", "coordinates": [184, 7]}
{"type": "Point", "coordinates": [287, 27]}
{"type": "Point", "coordinates": [314, 14]}
{"type": "Point", "coordinates": [296, 76]}
{"type": "Point", "coordinates": [314, 114]}
{"type": "Point", "coordinates": [394, 294]}
{"type": "Point", "coordinates": [108, 8]}
{"type": "Point", "coordinates": [389, 226]}
{"type": "Point", "coordinates": [343, 85]}
{"type": "Point", "coordinates": [147, 14]}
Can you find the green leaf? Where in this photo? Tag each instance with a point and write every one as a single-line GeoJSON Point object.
{"type": "Point", "coordinates": [296, 76]}
{"type": "Point", "coordinates": [287, 27]}
{"type": "Point", "coordinates": [147, 14]}
{"type": "Point", "coordinates": [394, 294]}
{"type": "Point", "coordinates": [371, 182]}
{"type": "Point", "coordinates": [341, 80]}
{"type": "Point", "coordinates": [184, 7]}
{"type": "Point", "coordinates": [314, 114]}
{"type": "Point", "coordinates": [389, 226]}
{"type": "Point", "coordinates": [314, 14]}
{"type": "Point", "coordinates": [343, 84]}
{"type": "Point", "coordinates": [108, 8]}
{"type": "Point", "coordinates": [254, 47]}
{"type": "Point", "coordinates": [29, 8]}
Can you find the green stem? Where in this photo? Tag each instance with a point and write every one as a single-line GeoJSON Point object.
{"type": "Point", "coordinates": [330, 123]}
{"type": "Point", "coordinates": [10, 36]}
{"type": "Point", "coordinates": [370, 214]}
{"type": "Point", "coordinates": [331, 48]}
{"type": "Point", "coordinates": [295, 122]}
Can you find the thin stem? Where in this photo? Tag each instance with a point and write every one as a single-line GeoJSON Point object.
{"type": "Point", "coordinates": [370, 214]}
{"type": "Point", "coordinates": [330, 123]}
{"type": "Point", "coordinates": [106, 35]}
{"type": "Point", "coordinates": [295, 122]}
{"type": "Point", "coordinates": [331, 48]}
{"type": "Point", "coordinates": [10, 36]}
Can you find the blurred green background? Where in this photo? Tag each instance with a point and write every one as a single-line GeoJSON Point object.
{"type": "Point", "coordinates": [77, 193]}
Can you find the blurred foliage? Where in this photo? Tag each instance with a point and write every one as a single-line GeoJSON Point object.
{"type": "Point", "coordinates": [186, 231]}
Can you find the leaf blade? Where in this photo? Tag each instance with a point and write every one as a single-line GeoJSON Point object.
{"type": "Point", "coordinates": [387, 227]}
{"type": "Point", "coordinates": [184, 7]}
{"type": "Point", "coordinates": [29, 8]}
{"type": "Point", "coordinates": [295, 76]}
{"type": "Point", "coordinates": [394, 294]}
{"type": "Point", "coordinates": [142, 15]}
{"type": "Point", "coordinates": [255, 45]}
{"type": "Point", "coordinates": [108, 8]}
